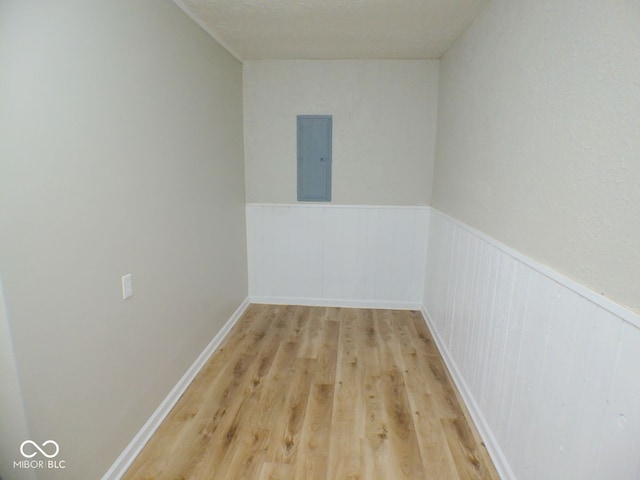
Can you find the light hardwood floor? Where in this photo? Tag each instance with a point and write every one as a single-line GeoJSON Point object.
{"type": "Point", "coordinates": [319, 393]}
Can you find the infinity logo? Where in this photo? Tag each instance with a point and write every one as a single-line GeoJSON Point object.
{"type": "Point", "coordinates": [39, 449]}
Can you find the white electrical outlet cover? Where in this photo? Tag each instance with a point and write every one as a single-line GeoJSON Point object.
{"type": "Point", "coordinates": [127, 286]}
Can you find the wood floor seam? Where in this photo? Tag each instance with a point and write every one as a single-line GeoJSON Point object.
{"type": "Point", "coordinates": [319, 393]}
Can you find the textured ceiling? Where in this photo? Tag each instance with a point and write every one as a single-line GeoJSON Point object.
{"type": "Point", "coordinates": [315, 29]}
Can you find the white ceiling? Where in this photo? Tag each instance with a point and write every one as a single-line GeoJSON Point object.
{"type": "Point", "coordinates": [334, 29]}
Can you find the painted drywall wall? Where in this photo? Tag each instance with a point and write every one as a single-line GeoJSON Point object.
{"type": "Point", "coordinates": [538, 141]}
{"type": "Point", "coordinates": [120, 152]}
{"type": "Point", "coordinates": [384, 118]}
{"type": "Point", "coordinates": [13, 427]}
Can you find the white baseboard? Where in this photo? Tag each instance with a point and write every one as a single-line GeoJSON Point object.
{"type": "Point", "coordinates": [126, 458]}
{"type": "Point", "coordinates": [336, 302]}
{"type": "Point", "coordinates": [498, 457]}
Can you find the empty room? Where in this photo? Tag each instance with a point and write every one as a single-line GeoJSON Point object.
{"type": "Point", "coordinates": [279, 239]}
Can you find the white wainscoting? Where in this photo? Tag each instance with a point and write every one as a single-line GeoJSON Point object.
{"type": "Point", "coordinates": [549, 369]}
{"type": "Point", "coordinates": [339, 255]}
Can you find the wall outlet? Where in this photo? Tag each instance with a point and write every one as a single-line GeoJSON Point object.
{"type": "Point", "coordinates": [127, 286]}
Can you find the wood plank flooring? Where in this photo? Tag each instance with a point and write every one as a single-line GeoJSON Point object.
{"type": "Point", "coordinates": [319, 393]}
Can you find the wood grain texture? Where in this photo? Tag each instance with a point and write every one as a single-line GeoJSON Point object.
{"type": "Point", "coordinates": [319, 393]}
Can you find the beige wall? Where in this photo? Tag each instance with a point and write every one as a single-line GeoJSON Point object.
{"type": "Point", "coordinates": [384, 117]}
{"type": "Point", "coordinates": [13, 424]}
{"type": "Point", "coordinates": [120, 152]}
{"type": "Point", "coordinates": [538, 141]}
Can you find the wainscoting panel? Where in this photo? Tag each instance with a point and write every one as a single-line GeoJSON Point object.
{"type": "Point", "coordinates": [549, 370]}
{"type": "Point", "coordinates": [337, 255]}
